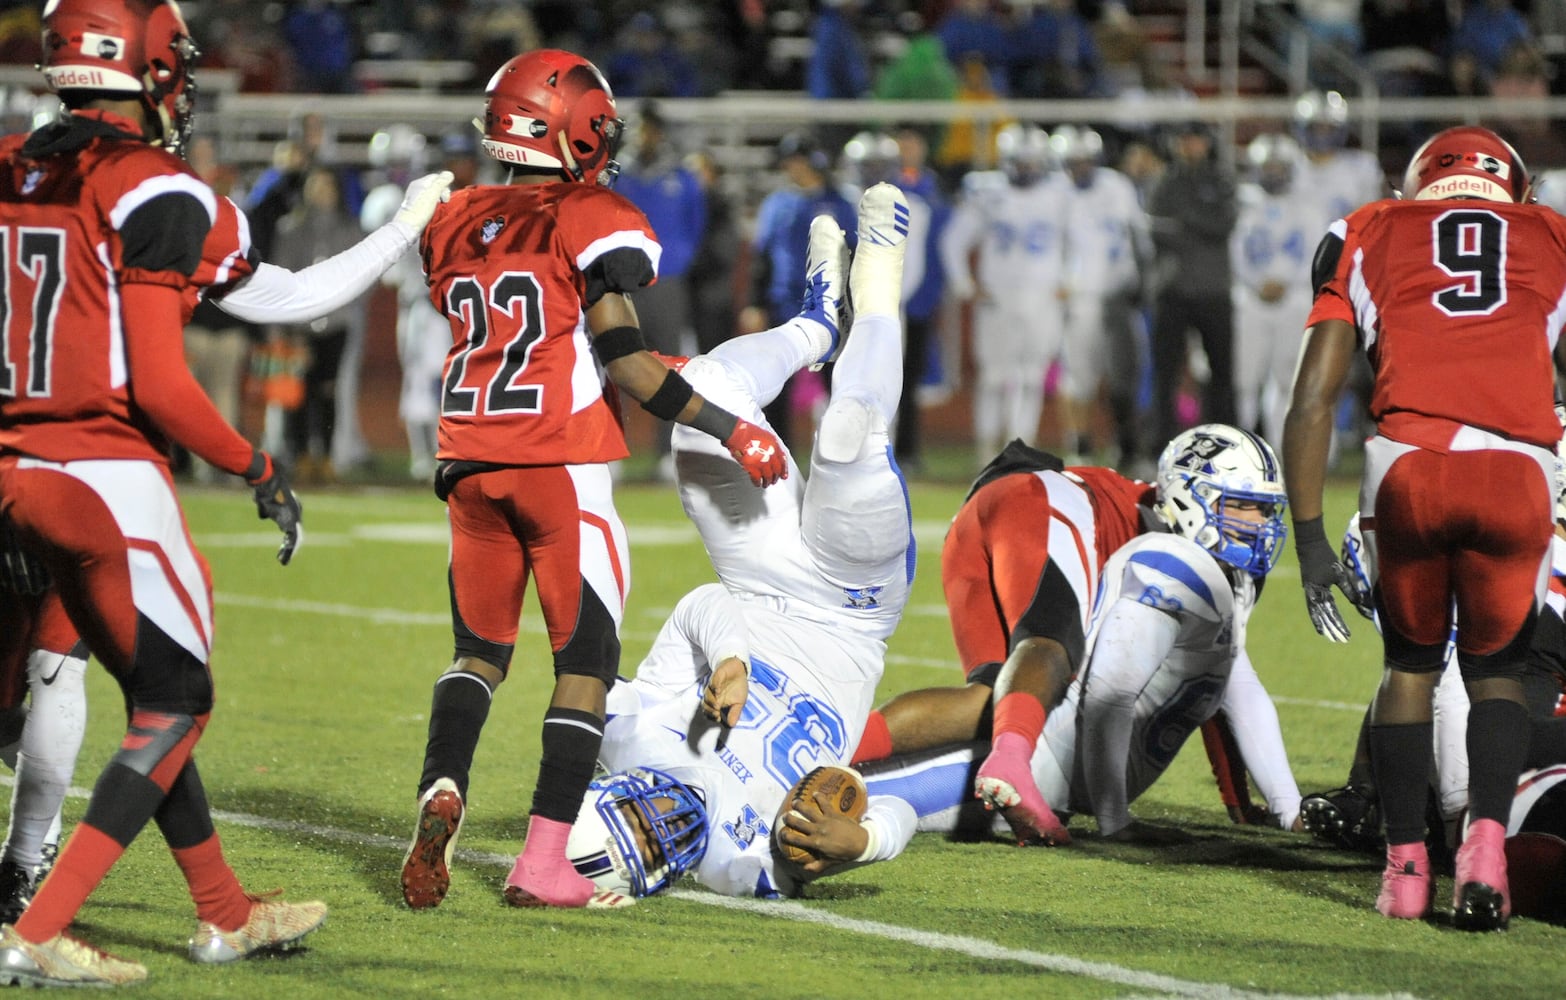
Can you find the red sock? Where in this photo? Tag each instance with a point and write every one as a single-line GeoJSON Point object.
{"type": "Point", "coordinates": [1228, 766]}
{"type": "Point", "coordinates": [1021, 715]}
{"type": "Point", "coordinates": [83, 862]}
{"type": "Point", "coordinates": [876, 743]}
{"type": "Point", "coordinates": [213, 885]}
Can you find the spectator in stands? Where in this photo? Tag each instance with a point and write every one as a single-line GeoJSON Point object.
{"type": "Point", "coordinates": [839, 64]}
{"type": "Point", "coordinates": [318, 228]}
{"type": "Point", "coordinates": [321, 43]}
{"type": "Point", "coordinates": [970, 142]}
{"type": "Point", "coordinates": [1330, 24]}
{"type": "Point", "coordinates": [921, 73]}
{"type": "Point", "coordinates": [712, 269]}
{"type": "Point", "coordinates": [1487, 31]}
{"type": "Point", "coordinates": [778, 251]}
{"type": "Point", "coordinates": [973, 26]}
{"type": "Point", "coordinates": [1052, 54]}
{"type": "Point", "coordinates": [646, 63]}
{"type": "Point", "coordinates": [1402, 38]}
{"type": "Point", "coordinates": [657, 182]}
{"type": "Point", "coordinates": [310, 142]}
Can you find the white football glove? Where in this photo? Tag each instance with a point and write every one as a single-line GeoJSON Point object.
{"type": "Point", "coordinates": [418, 204]}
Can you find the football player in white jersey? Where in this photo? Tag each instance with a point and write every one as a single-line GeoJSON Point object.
{"type": "Point", "coordinates": [1106, 230]}
{"type": "Point", "coordinates": [1271, 248]}
{"type": "Point", "coordinates": [1167, 646]}
{"type": "Point", "coordinates": [1013, 218]}
{"type": "Point", "coordinates": [1335, 178]}
{"type": "Point", "coordinates": [758, 679]}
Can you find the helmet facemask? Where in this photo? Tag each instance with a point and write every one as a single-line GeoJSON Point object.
{"type": "Point", "coordinates": [1203, 473]}
{"type": "Point", "coordinates": [638, 832]}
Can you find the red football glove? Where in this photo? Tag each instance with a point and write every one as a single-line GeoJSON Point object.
{"type": "Point", "coordinates": [759, 451]}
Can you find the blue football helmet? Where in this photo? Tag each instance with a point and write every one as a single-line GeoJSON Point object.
{"type": "Point", "coordinates": [1205, 468]}
{"type": "Point", "coordinates": [669, 816]}
{"type": "Point", "coordinates": [1361, 565]}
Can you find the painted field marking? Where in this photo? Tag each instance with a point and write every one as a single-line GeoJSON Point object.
{"type": "Point", "coordinates": [1159, 985]}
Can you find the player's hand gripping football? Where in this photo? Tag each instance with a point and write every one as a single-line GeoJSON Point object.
{"type": "Point", "coordinates": [816, 826]}
{"type": "Point", "coordinates": [759, 451]}
{"type": "Point", "coordinates": [419, 201]}
{"type": "Point", "coordinates": [1320, 571]}
{"type": "Point", "coordinates": [723, 699]}
{"type": "Point", "coordinates": [275, 501]}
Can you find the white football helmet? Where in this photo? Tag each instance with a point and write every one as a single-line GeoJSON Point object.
{"type": "Point", "coordinates": [1080, 150]}
{"type": "Point", "coordinates": [1273, 160]}
{"type": "Point", "coordinates": [1321, 120]}
{"type": "Point", "coordinates": [631, 810]}
{"type": "Point", "coordinates": [398, 147]}
{"type": "Point", "coordinates": [1023, 153]}
{"type": "Point", "coordinates": [1203, 469]}
{"type": "Point", "coordinates": [870, 158]}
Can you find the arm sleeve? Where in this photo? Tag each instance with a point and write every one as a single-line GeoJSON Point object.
{"type": "Point", "coordinates": [892, 823]}
{"type": "Point", "coordinates": [162, 385]}
{"type": "Point", "coordinates": [1254, 719]}
{"type": "Point", "coordinates": [161, 239]}
{"type": "Point", "coordinates": [1134, 639]}
{"type": "Point", "coordinates": [706, 627]}
{"type": "Point", "coordinates": [277, 295]}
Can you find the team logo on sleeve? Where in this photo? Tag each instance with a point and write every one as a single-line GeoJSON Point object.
{"type": "Point", "coordinates": [491, 228]}
{"type": "Point", "coordinates": [30, 182]}
{"type": "Point", "coordinates": [746, 828]}
{"type": "Point", "coordinates": [862, 598]}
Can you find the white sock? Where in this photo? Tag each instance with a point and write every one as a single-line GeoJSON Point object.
{"type": "Point", "coordinates": [772, 357]}
{"type": "Point", "coordinates": [56, 723]}
{"type": "Point", "coordinates": [871, 364]}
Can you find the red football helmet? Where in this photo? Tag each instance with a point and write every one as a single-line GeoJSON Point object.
{"type": "Point", "coordinates": [125, 47]}
{"type": "Point", "coordinates": [1467, 162]}
{"type": "Point", "coordinates": [552, 110]}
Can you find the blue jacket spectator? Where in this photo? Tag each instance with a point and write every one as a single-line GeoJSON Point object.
{"type": "Point", "coordinates": [648, 64]}
{"type": "Point", "coordinates": [839, 66]}
{"type": "Point", "coordinates": [783, 226]}
{"type": "Point", "coordinates": [1489, 30]}
{"type": "Point", "coordinates": [971, 26]}
{"type": "Point", "coordinates": [1053, 54]}
{"type": "Point", "coordinates": [320, 40]}
{"type": "Point", "coordinates": [668, 194]}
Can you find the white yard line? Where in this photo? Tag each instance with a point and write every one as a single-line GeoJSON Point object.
{"type": "Point", "coordinates": [1159, 985]}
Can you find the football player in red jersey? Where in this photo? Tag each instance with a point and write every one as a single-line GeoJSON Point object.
{"type": "Point", "coordinates": [1455, 294]}
{"type": "Point", "coordinates": [106, 241]}
{"type": "Point", "coordinates": [536, 278]}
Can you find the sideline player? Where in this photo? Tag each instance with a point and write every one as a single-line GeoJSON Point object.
{"type": "Point", "coordinates": [110, 235]}
{"type": "Point", "coordinates": [535, 277]}
{"type": "Point", "coordinates": [1167, 636]}
{"type": "Point", "coordinates": [1013, 218]}
{"type": "Point", "coordinates": [755, 680]}
{"type": "Point", "coordinates": [1454, 296]}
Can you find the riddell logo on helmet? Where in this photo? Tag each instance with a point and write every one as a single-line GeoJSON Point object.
{"type": "Point", "coordinates": [75, 76]}
{"type": "Point", "coordinates": [1464, 186]}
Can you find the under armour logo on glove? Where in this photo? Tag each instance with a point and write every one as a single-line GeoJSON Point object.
{"type": "Point", "coordinates": [758, 451]}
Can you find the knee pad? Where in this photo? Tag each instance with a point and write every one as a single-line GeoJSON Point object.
{"type": "Point", "coordinates": [594, 648]}
{"type": "Point", "coordinates": [465, 643]}
{"type": "Point", "coordinates": [844, 428]}
{"type": "Point", "coordinates": [166, 677]}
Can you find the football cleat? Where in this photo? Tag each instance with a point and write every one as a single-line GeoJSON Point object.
{"type": "Point", "coordinates": [61, 961]}
{"type": "Point", "coordinates": [16, 891]}
{"type": "Point", "coordinates": [1005, 783]}
{"type": "Point", "coordinates": [875, 279]}
{"type": "Point", "coordinates": [1348, 817]}
{"type": "Point", "coordinates": [1480, 898]}
{"type": "Point", "coordinates": [1407, 889]}
{"type": "Point", "coordinates": [274, 926]}
{"type": "Point", "coordinates": [426, 868]}
{"type": "Point", "coordinates": [826, 264]}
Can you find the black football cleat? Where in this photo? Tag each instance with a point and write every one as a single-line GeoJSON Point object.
{"type": "Point", "coordinates": [1349, 817]}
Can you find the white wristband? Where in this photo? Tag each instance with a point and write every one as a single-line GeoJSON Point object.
{"type": "Point", "coordinates": [872, 840]}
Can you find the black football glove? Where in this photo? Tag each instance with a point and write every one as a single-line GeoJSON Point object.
{"type": "Point", "coordinates": [1320, 571]}
{"type": "Point", "coordinates": [20, 571]}
{"type": "Point", "coordinates": [275, 501]}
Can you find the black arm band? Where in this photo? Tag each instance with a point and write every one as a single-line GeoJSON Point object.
{"type": "Point", "coordinates": [1309, 532]}
{"type": "Point", "coordinates": [612, 345]}
{"type": "Point", "coordinates": [715, 420]}
{"type": "Point", "coordinates": [671, 397]}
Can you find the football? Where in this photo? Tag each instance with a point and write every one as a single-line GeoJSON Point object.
{"type": "Point", "coordinates": [845, 794]}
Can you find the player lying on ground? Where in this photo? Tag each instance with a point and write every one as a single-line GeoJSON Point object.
{"type": "Point", "coordinates": [756, 680]}
{"type": "Point", "coordinates": [1166, 640]}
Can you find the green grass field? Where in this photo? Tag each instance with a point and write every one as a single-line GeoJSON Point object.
{"type": "Point", "coordinates": [323, 677]}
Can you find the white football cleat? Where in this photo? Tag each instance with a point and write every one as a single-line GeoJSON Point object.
{"type": "Point", "coordinates": [273, 926]}
{"type": "Point", "coordinates": [875, 280]}
{"type": "Point", "coordinates": [62, 961]}
{"type": "Point", "coordinates": [826, 264]}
